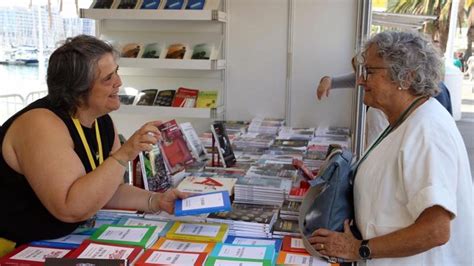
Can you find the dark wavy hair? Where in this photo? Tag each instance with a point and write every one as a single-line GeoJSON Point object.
{"type": "Point", "coordinates": [72, 71]}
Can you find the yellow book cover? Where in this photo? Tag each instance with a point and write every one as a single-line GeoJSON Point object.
{"type": "Point", "coordinates": [207, 99]}
{"type": "Point", "coordinates": [202, 232]}
{"type": "Point", "coordinates": [166, 244]}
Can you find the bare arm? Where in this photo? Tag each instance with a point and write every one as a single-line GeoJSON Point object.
{"type": "Point", "coordinates": [431, 229]}
{"type": "Point", "coordinates": [38, 145]}
{"type": "Point", "coordinates": [337, 82]}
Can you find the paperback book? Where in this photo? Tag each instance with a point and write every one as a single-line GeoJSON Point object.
{"type": "Point", "coordinates": [176, 50]}
{"type": "Point", "coordinates": [252, 241]}
{"type": "Point", "coordinates": [70, 241]}
{"type": "Point", "coordinates": [174, 4]}
{"type": "Point", "coordinates": [291, 258]}
{"type": "Point", "coordinates": [128, 4]}
{"type": "Point", "coordinates": [164, 98]}
{"type": "Point", "coordinates": [183, 246]}
{"type": "Point", "coordinates": [224, 146]}
{"type": "Point", "coordinates": [92, 250]}
{"type": "Point", "coordinates": [242, 253]}
{"type": "Point", "coordinates": [151, 4]}
{"type": "Point", "coordinates": [207, 99]}
{"type": "Point", "coordinates": [205, 232]}
{"type": "Point", "coordinates": [195, 4]}
{"type": "Point", "coordinates": [293, 244]}
{"type": "Point", "coordinates": [207, 184]}
{"type": "Point", "coordinates": [174, 147]}
{"type": "Point", "coordinates": [84, 262]}
{"type": "Point", "coordinates": [159, 257]}
{"type": "Point", "coordinates": [185, 97]}
{"type": "Point", "coordinates": [32, 255]}
{"type": "Point", "coordinates": [203, 203]}
{"type": "Point", "coordinates": [103, 4]}
{"type": "Point", "coordinates": [202, 51]}
{"type": "Point", "coordinates": [146, 97]}
{"type": "Point", "coordinates": [194, 142]}
{"type": "Point", "coordinates": [153, 50]}
{"type": "Point", "coordinates": [140, 236]}
{"type": "Point", "coordinates": [162, 227]}
{"type": "Point", "coordinates": [131, 50]}
{"type": "Point", "coordinates": [154, 171]}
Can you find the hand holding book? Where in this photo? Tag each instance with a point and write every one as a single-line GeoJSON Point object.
{"type": "Point", "coordinates": [166, 201]}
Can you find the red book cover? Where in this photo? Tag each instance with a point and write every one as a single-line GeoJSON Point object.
{"type": "Point", "coordinates": [185, 97]}
{"type": "Point", "coordinates": [93, 250]}
{"type": "Point", "coordinates": [160, 257]}
{"type": "Point", "coordinates": [32, 255]}
{"type": "Point", "coordinates": [293, 244]}
{"type": "Point", "coordinates": [176, 153]}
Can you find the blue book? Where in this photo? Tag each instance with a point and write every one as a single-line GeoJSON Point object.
{"type": "Point", "coordinates": [174, 4]}
{"type": "Point", "coordinates": [195, 4]}
{"type": "Point", "coordinates": [69, 241]}
{"type": "Point", "coordinates": [150, 4]}
{"type": "Point", "coordinates": [238, 240]}
{"type": "Point", "coordinates": [203, 203]}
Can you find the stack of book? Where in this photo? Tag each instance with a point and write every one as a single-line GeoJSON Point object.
{"type": "Point", "coordinates": [290, 210]}
{"type": "Point", "coordinates": [264, 190]}
{"type": "Point", "coordinates": [247, 219]}
{"type": "Point", "coordinates": [205, 232]}
{"type": "Point", "coordinates": [296, 133]}
{"type": "Point", "coordinates": [266, 125]}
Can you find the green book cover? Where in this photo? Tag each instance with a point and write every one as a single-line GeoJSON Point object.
{"type": "Point", "coordinates": [207, 99]}
{"type": "Point", "coordinates": [210, 261]}
{"type": "Point", "coordinates": [141, 236]}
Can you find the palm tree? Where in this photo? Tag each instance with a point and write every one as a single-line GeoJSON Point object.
{"type": "Point", "coordinates": [439, 28]}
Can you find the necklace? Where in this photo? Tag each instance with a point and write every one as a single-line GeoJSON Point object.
{"type": "Point", "coordinates": [86, 144]}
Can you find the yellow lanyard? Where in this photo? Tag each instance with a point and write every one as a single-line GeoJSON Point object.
{"type": "Point", "coordinates": [86, 145]}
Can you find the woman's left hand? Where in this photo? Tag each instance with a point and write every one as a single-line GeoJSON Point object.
{"type": "Point", "coordinates": [336, 244]}
{"type": "Point", "coordinates": [165, 201]}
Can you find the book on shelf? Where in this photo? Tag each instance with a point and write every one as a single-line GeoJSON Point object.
{"type": "Point", "coordinates": [207, 99]}
{"type": "Point", "coordinates": [162, 227]}
{"type": "Point", "coordinates": [183, 245]}
{"type": "Point", "coordinates": [152, 4]}
{"type": "Point", "coordinates": [174, 147]}
{"type": "Point", "coordinates": [205, 232]}
{"type": "Point", "coordinates": [159, 257]}
{"type": "Point", "coordinates": [85, 262]}
{"type": "Point", "coordinates": [195, 4]}
{"type": "Point", "coordinates": [32, 255]}
{"type": "Point", "coordinates": [176, 51]}
{"type": "Point", "coordinates": [153, 50]}
{"type": "Point", "coordinates": [252, 241]}
{"type": "Point", "coordinates": [154, 172]}
{"type": "Point", "coordinates": [286, 227]}
{"type": "Point", "coordinates": [103, 4]}
{"type": "Point", "coordinates": [185, 97]}
{"type": "Point", "coordinates": [293, 244]}
{"type": "Point", "coordinates": [174, 4]}
{"type": "Point", "coordinates": [70, 241]}
{"type": "Point", "coordinates": [146, 97]}
{"type": "Point", "coordinates": [131, 50]}
{"type": "Point", "coordinates": [164, 97]}
{"type": "Point", "coordinates": [202, 51]}
{"type": "Point", "coordinates": [207, 184]}
{"type": "Point", "coordinates": [224, 147]}
{"type": "Point", "coordinates": [292, 258]}
{"type": "Point", "coordinates": [194, 142]}
{"type": "Point", "coordinates": [126, 99]}
{"type": "Point", "coordinates": [203, 203]}
{"type": "Point", "coordinates": [94, 250]}
{"type": "Point", "coordinates": [242, 253]}
{"type": "Point", "coordinates": [140, 236]}
{"type": "Point", "coordinates": [128, 4]}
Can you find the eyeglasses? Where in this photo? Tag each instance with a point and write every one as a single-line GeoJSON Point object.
{"type": "Point", "coordinates": [366, 71]}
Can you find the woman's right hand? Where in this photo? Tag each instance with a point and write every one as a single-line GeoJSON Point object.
{"type": "Point", "coordinates": [141, 140]}
{"type": "Point", "coordinates": [324, 87]}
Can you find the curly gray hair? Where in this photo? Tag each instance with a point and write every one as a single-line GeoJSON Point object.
{"type": "Point", "coordinates": [410, 56]}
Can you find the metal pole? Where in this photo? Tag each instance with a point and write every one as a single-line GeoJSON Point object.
{"type": "Point", "coordinates": [364, 19]}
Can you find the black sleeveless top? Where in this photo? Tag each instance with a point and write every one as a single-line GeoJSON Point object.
{"type": "Point", "coordinates": [23, 218]}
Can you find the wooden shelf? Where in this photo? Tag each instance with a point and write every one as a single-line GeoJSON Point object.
{"type": "Point", "coordinates": [141, 14]}
{"type": "Point", "coordinates": [162, 111]}
{"type": "Point", "coordinates": [189, 64]}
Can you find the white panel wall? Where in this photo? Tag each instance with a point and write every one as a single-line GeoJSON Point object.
{"type": "Point", "coordinates": [257, 58]}
{"type": "Point", "coordinates": [324, 37]}
{"type": "Point", "coordinates": [323, 44]}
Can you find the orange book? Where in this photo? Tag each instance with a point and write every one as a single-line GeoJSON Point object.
{"type": "Point", "coordinates": [293, 244]}
{"type": "Point", "coordinates": [294, 258]}
{"type": "Point", "coordinates": [185, 97]}
{"type": "Point", "coordinates": [166, 244]}
{"type": "Point", "coordinates": [159, 257]}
